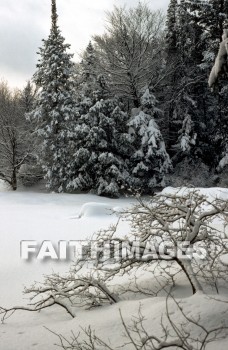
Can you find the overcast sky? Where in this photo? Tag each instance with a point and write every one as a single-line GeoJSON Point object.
{"type": "Point", "coordinates": [24, 23]}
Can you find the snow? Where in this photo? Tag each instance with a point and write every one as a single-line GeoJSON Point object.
{"type": "Point", "coordinates": [3, 186]}
{"type": "Point", "coordinates": [39, 217]}
{"type": "Point", "coordinates": [223, 162]}
{"type": "Point", "coordinates": [95, 209]}
{"type": "Point", "coordinates": [211, 193]}
{"type": "Point", "coordinates": [36, 215]}
{"type": "Point", "coordinates": [220, 61]}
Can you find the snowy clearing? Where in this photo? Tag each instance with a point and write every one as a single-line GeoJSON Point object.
{"type": "Point", "coordinates": [33, 215]}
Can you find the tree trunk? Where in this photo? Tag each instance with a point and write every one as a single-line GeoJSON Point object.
{"type": "Point", "coordinates": [188, 270]}
{"type": "Point", "coordinates": [14, 180]}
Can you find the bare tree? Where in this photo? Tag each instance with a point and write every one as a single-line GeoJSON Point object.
{"type": "Point", "coordinates": [131, 50]}
{"type": "Point", "coordinates": [15, 139]}
{"type": "Point", "coordinates": [175, 228]}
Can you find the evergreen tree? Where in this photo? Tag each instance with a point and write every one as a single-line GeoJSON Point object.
{"type": "Point", "coordinates": [197, 117]}
{"type": "Point", "coordinates": [172, 70]}
{"type": "Point", "coordinates": [102, 143]}
{"type": "Point", "coordinates": [100, 159]}
{"type": "Point", "coordinates": [150, 161]}
{"type": "Point", "coordinates": [172, 29]}
{"type": "Point", "coordinates": [89, 72]}
{"type": "Point", "coordinates": [55, 110]}
{"type": "Point", "coordinates": [91, 85]}
{"type": "Point", "coordinates": [187, 91]}
{"type": "Point", "coordinates": [215, 20]}
{"type": "Point", "coordinates": [28, 97]}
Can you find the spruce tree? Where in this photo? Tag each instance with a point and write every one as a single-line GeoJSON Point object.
{"type": "Point", "coordinates": [102, 143]}
{"type": "Point", "coordinates": [91, 84]}
{"type": "Point", "coordinates": [197, 116]}
{"type": "Point", "coordinates": [215, 20]}
{"type": "Point", "coordinates": [172, 29]}
{"type": "Point", "coordinates": [55, 110]}
{"type": "Point", "coordinates": [100, 158]}
{"type": "Point", "coordinates": [187, 89]}
{"type": "Point", "coordinates": [89, 73]}
{"type": "Point", "coordinates": [172, 70]}
{"type": "Point", "coordinates": [28, 97]}
{"type": "Point", "coordinates": [150, 161]}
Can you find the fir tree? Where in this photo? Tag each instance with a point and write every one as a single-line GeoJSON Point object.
{"type": "Point", "coordinates": [187, 90]}
{"type": "Point", "coordinates": [54, 111]}
{"type": "Point", "coordinates": [28, 97]}
{"type": "Point", "coordinates": [102, 146]}
{"type": "Point", "coordinates": [172, 69]}
{"type": "Point", "coordinates": [89, 72]}
{"type": "Point", "coordinates": [89, 82]}
{"type": "Point", "coordinates": [150, 161]}
{"type": "Point", "coordinates": [100, 158]}
{"type": "Point", "coordinates": [171, 29]}
{"type": "Point", "coordinates": [215, 21]}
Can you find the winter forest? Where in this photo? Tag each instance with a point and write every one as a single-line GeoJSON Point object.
{"type": "Point", "coordinates": [136, 114]}
{"type": "Point", "coordinates": [125, 150]}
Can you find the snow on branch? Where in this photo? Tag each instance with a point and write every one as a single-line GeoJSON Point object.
{"type": "Point", "coordinates": [175, 234]}
{"type": "Point", "coordinates": [69, 292]}
{"type": "Point", "coordinates": [183, 224]}
{"type": "Point", "coordinates": [221, 64]}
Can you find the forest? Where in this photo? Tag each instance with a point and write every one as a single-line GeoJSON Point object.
{"type": "Point", "coordinates": [134, 115]}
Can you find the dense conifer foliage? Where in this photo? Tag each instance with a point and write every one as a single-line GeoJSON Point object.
{"type": "Point", "coordinates": [138, 106]}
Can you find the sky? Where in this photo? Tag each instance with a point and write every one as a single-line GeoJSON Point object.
{"type": "Point", "coordinates": [24, 23]}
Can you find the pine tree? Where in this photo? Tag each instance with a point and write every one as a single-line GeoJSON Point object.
{"type": "Point", "coordinates": [89, 81]}
{"type": "Point", "coordinates": [198, 117]}
{"type": "Point", "coordinates": [215, 20]}
{"type": "Point", "coordinates": [150, 161]}
{"type": "Point", "coordinates": [172, 69]}
{"type": "Point", "coordinates": [100, 158]}
{"type": "Point", "coordinates": [55, 110]}
{"type": "Point", "coordinates": [187, 91]}
{"type": "Point", "coordinates": [89, 72]}
{"type": "Point", "coordinates": [28, 97]}
{"type": "Point", "coordinates": [102, 143]}
{"type": "Point", "coordinates": [172, 29]}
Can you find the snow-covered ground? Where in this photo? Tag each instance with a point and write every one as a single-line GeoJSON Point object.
{"type": "Point", "coordinates": [36, 215]}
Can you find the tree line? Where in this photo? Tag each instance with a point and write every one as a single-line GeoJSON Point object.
{"type": "Point", "coordinates": [135, 114]}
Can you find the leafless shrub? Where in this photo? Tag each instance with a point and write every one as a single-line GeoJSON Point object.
{"type": "Point", "coordinates": [188, 333]}
{"type": "Point", "coordinates": [175, 234]}
{"type": "Point", "coordinates": [69, 292]}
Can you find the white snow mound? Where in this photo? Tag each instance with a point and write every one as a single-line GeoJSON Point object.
{"type": "Point", "coordinates": [93, 209]}
{"type": "Point", "coordinates": [211, 193]}
{"type": "Point", "coordinates": [4, 187]}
